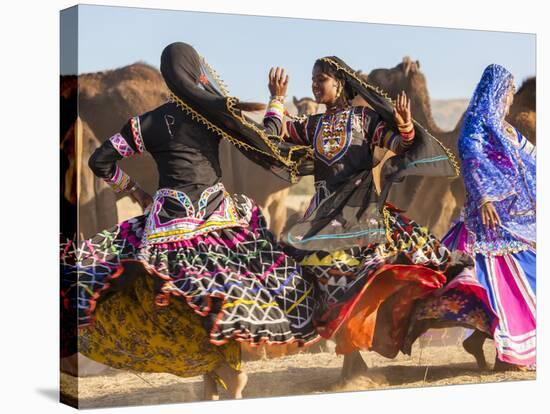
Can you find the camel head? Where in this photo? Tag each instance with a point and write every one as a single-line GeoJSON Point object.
{"type": "Point", "coordinates": [305, 106]}
{"type": "Point", "coordinates": [523, 110]}
{"type": "Point", "coordinates": [404, 76]}
{"type": "Point", "coordinates": [526, 96]}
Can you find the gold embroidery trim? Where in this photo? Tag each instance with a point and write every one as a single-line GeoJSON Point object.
{"type": "Point", "coordinates": [231, 102]}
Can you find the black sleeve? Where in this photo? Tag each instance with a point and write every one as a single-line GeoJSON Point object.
{"type": "Point", "coordinates": [273, 125]}
{"type": "Point", "coordinates": [292, 131]}
{"type": "Point", "coordinates": [103, 161]}
{"type": "Point", "coordinates": [124, 144]}
{"type": "Point", "coordinates": [276, 123]}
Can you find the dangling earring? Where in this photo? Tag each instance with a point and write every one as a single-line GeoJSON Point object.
{"type": "Point", "coordinates": [338, 90]}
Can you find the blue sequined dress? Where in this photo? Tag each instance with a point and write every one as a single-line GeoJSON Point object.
{"type": "Point", "coordinates": [499, 166]}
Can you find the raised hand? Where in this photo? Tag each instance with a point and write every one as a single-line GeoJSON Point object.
{"type": "Point", "coordinates": [278, 82]}
{"type": "Point", "coordinates": [402, 110]}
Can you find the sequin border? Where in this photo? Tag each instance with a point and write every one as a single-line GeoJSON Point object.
{"type": "Point", "coordinates": [136, 134]}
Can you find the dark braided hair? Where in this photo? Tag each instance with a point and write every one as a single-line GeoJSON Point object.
{"type": "Point", "coordinates": [349, 92]}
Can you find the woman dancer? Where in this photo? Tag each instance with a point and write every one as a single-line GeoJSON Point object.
{"type": "Point", "coordinates": [173, 289]}
{"type": "Point", "coordinates": [370, 262]}
{"type": "Point", "coordinates": [499, 223]}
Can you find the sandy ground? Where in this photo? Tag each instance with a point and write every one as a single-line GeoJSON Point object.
{"type": "Point", "coordinates": [304, 373]}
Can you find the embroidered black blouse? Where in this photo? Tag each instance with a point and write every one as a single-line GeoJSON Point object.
{"type": "Point", "coordinates": [185, 152]}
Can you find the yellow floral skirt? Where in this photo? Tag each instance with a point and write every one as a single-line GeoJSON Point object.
{"type": "Point", "coordinates": [132, 333]}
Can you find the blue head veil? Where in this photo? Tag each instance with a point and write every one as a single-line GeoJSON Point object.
{"type": "Point", "coordinates": [494, 167]}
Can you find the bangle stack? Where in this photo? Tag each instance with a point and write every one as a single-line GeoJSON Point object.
{"type": "Point", "coordinates": [406, 130]}
{"type": "Point", "coordinates": [276, 108]}
{"type": "Point", "coordinates": [278, 98]}
{"type": "Point", "coordinates": [120, 181]}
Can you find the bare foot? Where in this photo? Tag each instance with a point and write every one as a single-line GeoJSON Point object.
{"type": "Point", "coordinates": [242, 380]}
{"type": "Point", "coordinates": [210, 390]}
{"type": "Point", "coordinates": [234, 380]}
{"type": "Point", "coordinates": [506, 366]}
{"type": "Point", "coordinates": [354, 366]}
{"type": "Point", "coordinates": [474, 346]}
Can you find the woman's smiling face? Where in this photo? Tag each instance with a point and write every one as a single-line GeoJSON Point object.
{"type": "Point", "coordinates": [323, 86]}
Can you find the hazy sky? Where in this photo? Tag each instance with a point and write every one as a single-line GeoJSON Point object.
{"type": "Point", "coordinates": [243, 48]}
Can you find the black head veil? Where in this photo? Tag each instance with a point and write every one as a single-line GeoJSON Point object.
{"type": "Point", "coordinates": [197, 90]}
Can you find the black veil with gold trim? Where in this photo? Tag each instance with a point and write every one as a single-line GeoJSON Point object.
{"type": "Point", "coordinates": [198, 91]}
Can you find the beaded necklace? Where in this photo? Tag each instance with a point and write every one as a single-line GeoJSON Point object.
{"type": "Point", "coordinates": [333, 136]}
{"type": "Point", "coordinates": [511, 134]}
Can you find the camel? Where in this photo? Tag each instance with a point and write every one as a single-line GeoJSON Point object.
{"type": "Point", "coordinates": [105, 102]}
{"type": "Point", "coordinates": [443, 196]}
{"type": "Point", "coordinates": [82, 191]}
{"type": "Point", "coordinates": [523, 112]}
{"type": "Point", "coordinates": [305, 106]}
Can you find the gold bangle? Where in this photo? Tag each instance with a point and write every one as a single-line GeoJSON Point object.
{"type": "Point", "coordinates": [405, 125]}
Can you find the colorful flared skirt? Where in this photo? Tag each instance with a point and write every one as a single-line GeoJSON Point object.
{"type": "Point", "coordinates": [509, 282]}
{"type": "Point", "coordinates": [237, 282]}
{"type": "Point", "coordinates": [130, 332]}
{"type": "Point", "coordinates": [365, 295]}
{"type": "Point", "coordinates": [462, 302]}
